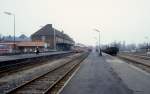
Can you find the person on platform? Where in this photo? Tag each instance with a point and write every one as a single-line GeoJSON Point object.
{"type": "Point", "coordinates": [37, 50]}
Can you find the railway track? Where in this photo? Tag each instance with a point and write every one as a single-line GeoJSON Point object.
{"type": "Point", "coordinates": [139, 56]}
{"type": "Point", "coordinates": [138, 60]}
{"type": "Point", "coordinates": [48, 81]}
{"type": "Point", "coordinates": [12, 68]}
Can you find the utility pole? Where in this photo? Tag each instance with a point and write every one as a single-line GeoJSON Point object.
{"type": "Point", "coordinates": [9, 13]}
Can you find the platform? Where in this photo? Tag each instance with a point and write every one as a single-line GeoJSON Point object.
{"type": "Point", "coordinates": [26, 56]}
{"type": "Point", "coordinates": [96, 76]}
{"type": "Point", "coordinates": [135, 78]}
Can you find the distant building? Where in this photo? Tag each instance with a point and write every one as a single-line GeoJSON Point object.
{"type": "Point", "coordinates": [80, 45]}
{"type": "Point", "coordinates": [23, 37]}
{"type": "Point", "coordinates": [46, 34]}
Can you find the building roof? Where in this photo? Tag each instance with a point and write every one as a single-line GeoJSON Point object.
{"type": "Point", "coordinates": [7, 43]}
{"type": "Point", "coordinates": [25, 43]}
{"type": "Point", "coordinates": [48, 30]}
{"type": "Point", "coordinates": [30, 44]}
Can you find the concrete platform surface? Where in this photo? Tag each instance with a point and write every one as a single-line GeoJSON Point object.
{"type": "Point", "coordinates": [96, 76]}
{"type": "Point", "coordinates": [24, 56]}
{"type": "Point", "coordinates": [135, 78]}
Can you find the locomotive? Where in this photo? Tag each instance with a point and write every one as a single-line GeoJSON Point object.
{"type": "Point", "coordinates": [111, 50]}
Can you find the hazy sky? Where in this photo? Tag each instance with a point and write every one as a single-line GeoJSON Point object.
{"type": "Point", "coordinates": [118, 20]}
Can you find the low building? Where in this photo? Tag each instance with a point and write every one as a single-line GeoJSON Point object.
{"type": "Point", "coordinates": [30, 46]}
{"type": "Point", "coordinates": [21, 47]}
{"type": "Point", "coordinates": [53, 38]}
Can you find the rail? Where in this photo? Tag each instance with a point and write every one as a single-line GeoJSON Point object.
{"type": "Point", "coordinates": [44, 83]}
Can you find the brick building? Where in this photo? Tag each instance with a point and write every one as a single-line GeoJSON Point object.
{"type": "Point", "coordinates": [53, 38]}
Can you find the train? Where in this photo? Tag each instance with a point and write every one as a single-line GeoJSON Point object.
{"type": "Point", "coordinates": [111, 50]}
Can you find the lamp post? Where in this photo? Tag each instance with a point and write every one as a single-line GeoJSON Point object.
{"type": "Point", "coordinates": [9, 13]}
{"type": "Point", "coordinates": [96, 44]}
{"type": "Point", "coordinates": [100, 52]}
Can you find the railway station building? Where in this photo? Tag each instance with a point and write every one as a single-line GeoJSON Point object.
{"type": "Point", "coordinates": [53, 38]}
